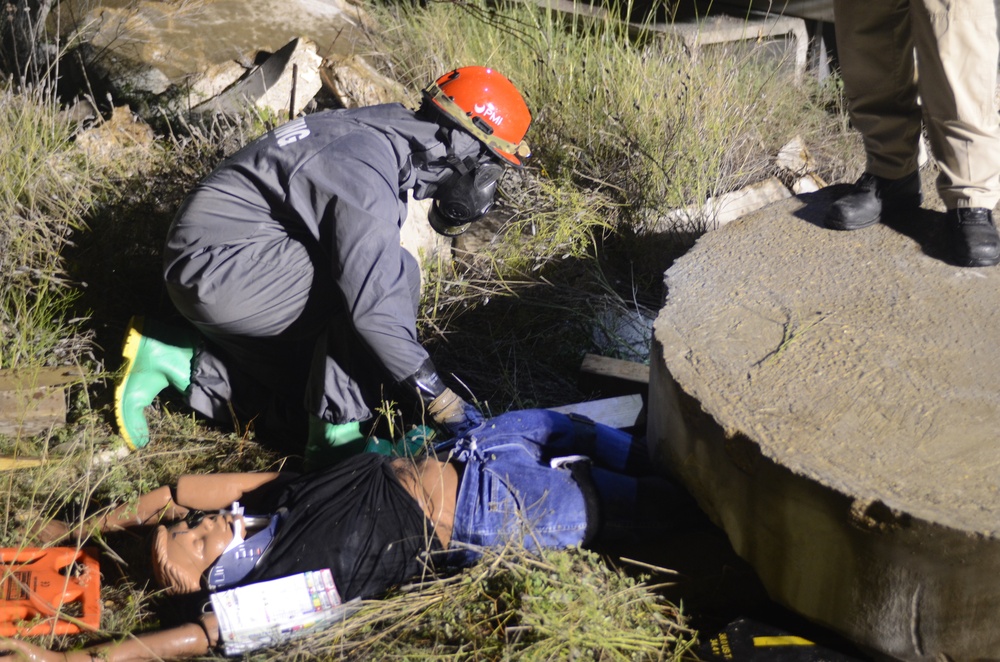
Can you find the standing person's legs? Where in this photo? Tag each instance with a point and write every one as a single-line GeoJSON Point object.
{"type": "Point", "coordinates": [957, 53]}
{"type": "Point", "coordinates": [875, 49]}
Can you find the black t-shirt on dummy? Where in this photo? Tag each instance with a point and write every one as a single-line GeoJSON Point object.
{"type": "Point", "coordinates": [354, 518]}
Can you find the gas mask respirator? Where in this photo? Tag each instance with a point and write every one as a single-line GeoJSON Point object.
{"type": "Point", "coordinates": [465, 198]}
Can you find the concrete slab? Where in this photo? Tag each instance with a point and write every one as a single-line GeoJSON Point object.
{"type": "Point", "coordinates": [832, 401]}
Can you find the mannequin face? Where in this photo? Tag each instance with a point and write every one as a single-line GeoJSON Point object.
{"type": "Point", "coordinates": [192, 550]}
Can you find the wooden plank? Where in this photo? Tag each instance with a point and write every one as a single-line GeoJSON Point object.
{"type": "Point", "coordinates": [604, 366]}
{"type": "Point", "coordinates": [30, 412]}
{"type": "Point", "coordinates": [624, 411]}
{"type": "Point", "coordinates": [13, 380]}
{"type": "Point", "coordinates": [7, 462]}
{"type": "Point", "coordinates": [32, 401]}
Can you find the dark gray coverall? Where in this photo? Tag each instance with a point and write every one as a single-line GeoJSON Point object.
{"type": "Point", "coordinates": [288, 259]}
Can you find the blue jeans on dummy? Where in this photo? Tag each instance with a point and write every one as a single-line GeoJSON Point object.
{"type": "Point", "coordinates": [517, 486]}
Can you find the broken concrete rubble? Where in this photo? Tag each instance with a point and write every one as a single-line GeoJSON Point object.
{"type": "Point", "coordinates": [355, 83]}
{"type": "Point", "coordinates": [283, 83]}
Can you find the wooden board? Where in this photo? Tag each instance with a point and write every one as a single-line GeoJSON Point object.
{"type": "Point", "coordinates": [32, 401]}
{"type": "Point", "coordinates": [624, 411]}
{"type": "Point", "coordinates": [604, 366]}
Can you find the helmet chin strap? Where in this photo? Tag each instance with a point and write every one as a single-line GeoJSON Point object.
{"type": "Point", "coordinates": [462, 166]}
{"type": "Point", "coordinates": [459, 166]}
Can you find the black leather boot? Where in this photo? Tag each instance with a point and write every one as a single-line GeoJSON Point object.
{"type": "Point", "coordinates": [974, 237]}
{"type": "Point", "coordinates": [870, 198]}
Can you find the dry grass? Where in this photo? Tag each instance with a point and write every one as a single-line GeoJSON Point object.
{"type": "Point", "coordinates": [46, 189]}
{"type": "Point", "coordinates": [625, 130]}
{"type": "Point", "coordinates": [567, 604]}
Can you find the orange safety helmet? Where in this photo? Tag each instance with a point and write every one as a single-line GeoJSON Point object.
{"type": "Point", "coordinates": [487, 105]}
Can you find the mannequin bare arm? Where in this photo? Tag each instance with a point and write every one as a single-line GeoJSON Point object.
{"type": "Point", "coordinates": [185, 640]}
{"type": "Point", "coordinates": [214, 491]}
{"type": "Point", "coordinates": [193, 491]}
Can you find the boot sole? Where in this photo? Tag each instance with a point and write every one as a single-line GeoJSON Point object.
{"type": "Point", "coordinates": [130, 350]}
{"type": "Point", "coordinates": [971, 262]}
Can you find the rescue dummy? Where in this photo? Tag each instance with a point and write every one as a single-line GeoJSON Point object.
{"type": "Point", "coordinates": [536, 478]}
{"type": "Point", "coordinates": [286, 260]}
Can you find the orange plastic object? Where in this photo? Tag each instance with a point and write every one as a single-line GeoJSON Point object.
{"type": "Point", "coordinates": [49, 591]}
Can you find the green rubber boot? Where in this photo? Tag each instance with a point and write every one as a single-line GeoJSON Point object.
{"type": "Point", "coordinates": [329, 443]}
{"type": "Point", "coordinates": [155, 357]}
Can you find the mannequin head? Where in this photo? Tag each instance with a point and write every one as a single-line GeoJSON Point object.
{"type": "Point", "coordinates": [182, 553]}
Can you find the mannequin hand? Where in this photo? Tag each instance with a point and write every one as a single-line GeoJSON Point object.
{"type": "Point", "coordinates": [52, 531]}
{"type": "Point", "coordinates": [454, 413]}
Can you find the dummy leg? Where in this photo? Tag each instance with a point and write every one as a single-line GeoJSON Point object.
{"type": "Point", "coordinates": [636, 509]}
{"type": "Point", "coordinates": [559, 434]}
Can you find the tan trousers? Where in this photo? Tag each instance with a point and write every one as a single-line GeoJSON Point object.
{"type": "Point", "coordinates": [956, 48]}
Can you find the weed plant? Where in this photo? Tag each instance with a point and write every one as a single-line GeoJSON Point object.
{"type": "Point", "coordinates": [46, 192]}
{"type": "Point", "coordinates": [628, 129]}
{"type": "Point", "coordinates": [618, 109]}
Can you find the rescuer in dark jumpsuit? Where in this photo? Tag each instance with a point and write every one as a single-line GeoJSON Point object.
{"type": "Point", "coordinates": [287, 260]}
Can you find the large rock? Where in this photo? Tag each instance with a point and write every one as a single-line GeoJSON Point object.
{"type": "Point", "coordinates": [181, 40]}
{"type": "Point", "coordinates": [832, 400]}
{"type": "Point", "coordinates": [355, 83]}
{"type": "Point", "coordinates": [123, 141]}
